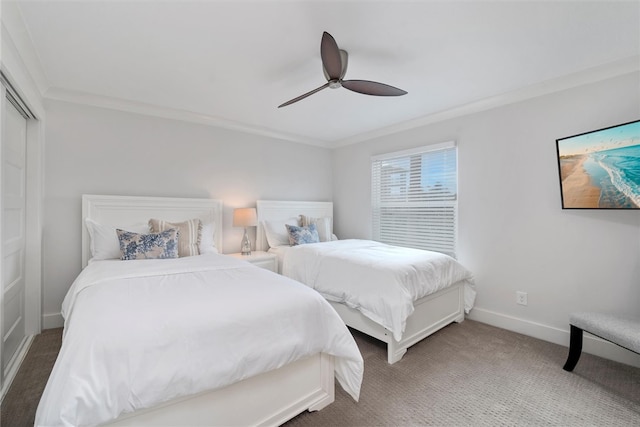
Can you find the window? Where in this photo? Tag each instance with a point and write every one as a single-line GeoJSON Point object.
{"type": "Point", "coordinates": [415, 198]}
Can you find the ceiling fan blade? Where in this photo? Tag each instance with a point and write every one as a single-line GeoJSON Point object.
{"type": "Point", "coordinates": [372, 88]}
{"type": "Point", "coordinates": [330, 54]}
{"type": "Point", "coordinates": [344, 57]}
{"type": "Point", "coordinates": [324, 86]}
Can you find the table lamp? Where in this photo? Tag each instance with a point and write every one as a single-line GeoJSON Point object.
{"type": "Point", "coordinates": [245, 217]}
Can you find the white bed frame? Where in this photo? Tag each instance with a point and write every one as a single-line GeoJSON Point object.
{"type": "Point", "coordinates": [432, 312]}
{"type": "Point", "coordinates": [268, 399]}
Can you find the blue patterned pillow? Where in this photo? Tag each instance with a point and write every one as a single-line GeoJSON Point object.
{"type": "Point", "coordinates": [148, 246]}
{"type": "Point", "coordinates": [302, 235]}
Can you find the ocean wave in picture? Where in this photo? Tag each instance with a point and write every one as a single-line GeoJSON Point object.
{"type": "Point", "coordinates": [623, 167]}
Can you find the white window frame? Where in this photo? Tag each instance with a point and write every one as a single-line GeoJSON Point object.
{"type": "Point", "coordinates": [434, 224]}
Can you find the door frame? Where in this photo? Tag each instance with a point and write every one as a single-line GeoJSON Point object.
{"type": "Point", "coordinates": [33, 225]}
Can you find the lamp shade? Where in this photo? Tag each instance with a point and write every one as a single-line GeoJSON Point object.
{"type": "Point", "coordinates": [245, 217]}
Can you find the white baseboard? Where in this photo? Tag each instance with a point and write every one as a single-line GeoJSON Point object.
{"type": "Point", "coordinates": [14, 365]}
{"type": "Point", "coordinates": [52, 320]}
{"type": "Point", "coordinates": [591, 344]}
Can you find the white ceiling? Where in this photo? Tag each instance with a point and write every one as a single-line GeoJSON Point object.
{"type": "Point", "coordinates": [232, 63]}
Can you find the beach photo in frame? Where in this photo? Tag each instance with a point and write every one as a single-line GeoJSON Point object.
{"type": "Point", "coordinates": [600, 169]}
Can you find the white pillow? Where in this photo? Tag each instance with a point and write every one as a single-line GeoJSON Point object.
{"type": "Point", "coordinates": [276, 231]}
{"type": "Point", "coordinates": [104, 239]}
{"type": "Point", "coordinates": [207, 240]}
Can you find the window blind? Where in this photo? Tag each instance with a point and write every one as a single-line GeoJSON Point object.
{"type": "Point", "coordinates": [415, 198]}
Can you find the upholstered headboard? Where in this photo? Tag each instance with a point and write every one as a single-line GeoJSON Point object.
{"type": "Point", "coordinates": [121, 210]}
{"type": "Point", "coordinates": [269, 210]}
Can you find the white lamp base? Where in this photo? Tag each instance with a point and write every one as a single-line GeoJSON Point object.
{"type": "Point", "coordinates": [245, 248]}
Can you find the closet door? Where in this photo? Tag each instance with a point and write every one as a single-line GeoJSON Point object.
{"type": "Point", "coordinates": [13, 167]}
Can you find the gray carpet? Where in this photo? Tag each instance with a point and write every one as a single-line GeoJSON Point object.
{"type": "Point", "coordinates": [20, 404]}
{"type": "Point", "coordinates": [467, 374]}
{"type": "Point", "coordinates": [472, 374]}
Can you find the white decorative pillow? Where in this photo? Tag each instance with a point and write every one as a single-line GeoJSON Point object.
{"type": "Point", "coordinates": [323, 224]}
{"type": "Point", "coordinates": [160, 245]}
{"type": "Point", "coordinates": [189, 232]}
{"type": "Point", "coordinates": [276, 231]}
{"type": "Point", "coordinates": [302, 235]}
{"type": "Point", "coordinates": [104, 239]}
{"type": "Point", "coordinates": [208, 239]}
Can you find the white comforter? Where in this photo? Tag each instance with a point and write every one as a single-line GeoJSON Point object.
{"type": "Point", "coordinates": [138, 333]}
{"type": "Point", "coordinates": [379, 280]}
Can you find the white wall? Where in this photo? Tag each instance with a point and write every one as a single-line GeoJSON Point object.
{"type": "Point", "coordinates": [100, 151]}
{"type": "Point", "coordinates": [513, 233]}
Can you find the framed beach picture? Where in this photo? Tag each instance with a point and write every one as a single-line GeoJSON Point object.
{"type": "Point", "coordinates": [601, 169]}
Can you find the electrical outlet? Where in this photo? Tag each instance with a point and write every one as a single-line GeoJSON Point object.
{"type": "Point", "coordinates": [521, 298]}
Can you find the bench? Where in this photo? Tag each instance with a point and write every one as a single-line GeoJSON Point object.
{"type": "Point", "coordinates": [619, 330]}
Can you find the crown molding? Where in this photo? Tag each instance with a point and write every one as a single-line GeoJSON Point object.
{"type": "Point", "coordinates": [20, 61]}
{"type": "Point", "coordinates": [590, 75]}
{"type": "Point", "coordinates": [83, 98]}
{"type": "Point", "coordinates": [18, 39]}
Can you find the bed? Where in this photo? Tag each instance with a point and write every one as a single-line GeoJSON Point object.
{"type": "Point", "coordinates": [197, 340]}
{"type": "Point", "coordinates": [339, 270]}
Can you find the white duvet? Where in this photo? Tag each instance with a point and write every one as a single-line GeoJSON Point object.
{"type": "Point", "coordinates": [379, 280]}
{"type": "Point", "coordinates": [138, 333]}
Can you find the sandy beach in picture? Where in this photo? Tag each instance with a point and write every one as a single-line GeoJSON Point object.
{"type": "Point", "coordinates": [577, 190]}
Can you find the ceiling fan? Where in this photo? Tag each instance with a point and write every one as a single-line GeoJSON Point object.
{"type": "Point", "coordinates": [334, 65]}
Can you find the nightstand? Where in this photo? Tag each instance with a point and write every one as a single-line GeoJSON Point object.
{"type": "Point", "coordinates": [260, 259]}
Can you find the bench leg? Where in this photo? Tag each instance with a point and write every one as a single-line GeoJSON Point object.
{"type": "Point", "coordinates": [575, 349]}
